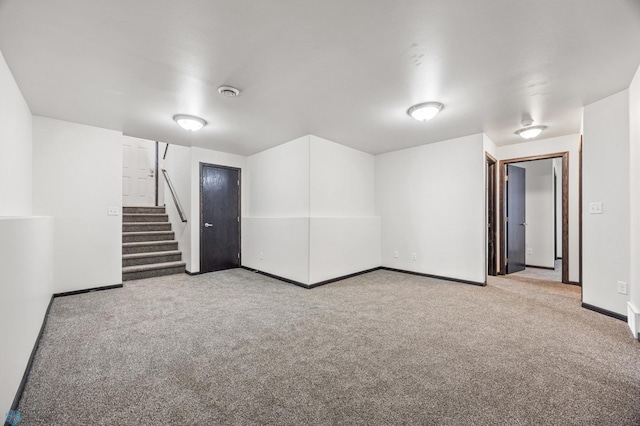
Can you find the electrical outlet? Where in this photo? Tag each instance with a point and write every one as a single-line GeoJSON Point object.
{"type": "Point", "coordinates": [529, 251]}
{"type": "Point", "coordinates": [622, 287]}
{"type": "Point", "coordinates": [396, 254]}
{"type": "Point", "coordinates": [261, 255]}
{"type": "Point", "coordinates": [595, 207]}
{"type": "Point", "coordinates": [113, 211]}
{"type": "Point", "coordinates": [414, 256]}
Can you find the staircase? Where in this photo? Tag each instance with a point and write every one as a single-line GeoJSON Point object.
{"type": "Point", "coordinates": [148, 245]}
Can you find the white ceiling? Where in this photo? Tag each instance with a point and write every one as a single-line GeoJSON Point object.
{"type": "Point", "coordinates": [345, 70]}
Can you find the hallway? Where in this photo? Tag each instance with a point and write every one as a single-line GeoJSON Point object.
{"type": "Point", "coordinates": [542, 274]}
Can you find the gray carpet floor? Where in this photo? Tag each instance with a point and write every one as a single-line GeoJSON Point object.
{"type": "Point", "coordinates": [235, 347]}
{"type": "Point", "coordinates": [543, 274]}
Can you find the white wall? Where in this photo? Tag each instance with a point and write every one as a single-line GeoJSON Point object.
{"type": "Point", "coordinates": [275, 229]}
{"type": "Point", "coordinates": [26, 265]}
{"type": "Point", "coordinates": [492, 149]}
{"type": "Point", "coordinates": [26, 243]}
{"type": "Point", "coordinates": [278, 181]}
{"type": "Point", "coordinates": [277, 245]}
{"type": "Point", "coordinates": [77, 176]}
{"type": "Point", "coordinates": [344, 231]}
{"type": "Point", "coordinates": [539, 213]}
{"type": "Point", "coordinates": [15, 147]}
{"type": "Point", "coordinates": [489, 146]}
{"type": "Point", "coordinates": [342, 180]}
{"type": "Point", "coordinates": [310, 212]}
{"type": "Point", "coordinates": [178, 165]}
{"type": "Point", "coordinates": [341, 246]}
{"type": "Point", "coordinates": [431, 201]}
{"type": "Point", "coordinates": [634, 201]}
{"type": "Point", "coordinates": [606, 179]}
{"type": "Point", "coordinates": [570, 143]}
{"type": "Point", "coordinates": [199, 155]}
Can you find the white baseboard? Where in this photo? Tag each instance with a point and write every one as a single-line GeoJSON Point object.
{"type": "Point", "coordinates": [633, 319]}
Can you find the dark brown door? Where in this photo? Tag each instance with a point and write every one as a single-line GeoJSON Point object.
{"type": "Point", "coordinates": [219, 218]}
{"type": "Point", "coordinates": [515, 218]}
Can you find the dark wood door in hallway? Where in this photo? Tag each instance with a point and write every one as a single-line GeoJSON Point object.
{"type": "Point", "coordinates": [219, 217]}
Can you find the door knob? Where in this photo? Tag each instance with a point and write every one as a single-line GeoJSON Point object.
{"type": "Point", "coordinates": [524, 224]}
{"type": "Point", "coordinates": [206, 225]}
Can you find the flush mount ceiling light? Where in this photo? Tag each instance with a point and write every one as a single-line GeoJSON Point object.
{"type": "Point", "coordinates": [228, 91]}
{"type": "Point", "coordinates": [425, 111]}
{"type": "Point", "coordinates": [189, 122]}
{"type": "Point", "coordinates": [528, 131]}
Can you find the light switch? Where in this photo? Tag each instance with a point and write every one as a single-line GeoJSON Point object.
{"type": "Point", "coordinates": [595, 207]}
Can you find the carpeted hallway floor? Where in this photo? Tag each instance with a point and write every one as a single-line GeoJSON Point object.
{"type": "Point", "coordinates": [542, 274]}
{"type": "Point", "coordinates": [235, 347]}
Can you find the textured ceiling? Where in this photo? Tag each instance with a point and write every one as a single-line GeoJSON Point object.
{"type": "Point", "coordinates": [345, 70]}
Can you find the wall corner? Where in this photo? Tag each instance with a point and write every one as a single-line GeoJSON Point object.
{"type": "Point", "coordinates": [633, 319]}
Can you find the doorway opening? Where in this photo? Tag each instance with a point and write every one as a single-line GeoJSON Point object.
{"type": "Point", "coordinates": [491, 230]}
{"type": "Point", "coordinates": [149, 244]}
{"type": "Point", "coordinates": [558, 235]}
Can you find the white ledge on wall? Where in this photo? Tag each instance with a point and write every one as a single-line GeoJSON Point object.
{"type": "Point", "coordinates": [633, 318]}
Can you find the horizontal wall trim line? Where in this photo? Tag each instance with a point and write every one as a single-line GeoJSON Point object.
{"type": "Point", "coordinates": [87, 290]}
{"type": "Point", "coordinates": [605, 312]}
{"type": "Point", "coordinates": [482, 284]}
{"type": "Point", "coordinates": [286, 280]}
{"type": "Point", "coordinates": [344, 277]}
{"type": "Point", "coordinates": [310, 286]}
{"type": "Point", "coordinates": [27, 370]}
{"type": "Point", "coordinates": [194, 273]}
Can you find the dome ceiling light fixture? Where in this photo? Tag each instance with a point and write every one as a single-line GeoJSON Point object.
{"type": "Point", "coordinates": [228, 91]}
{"type": "Point", "coordinates": [425, 111]}
{"type": "Point", "coordinates": [528, 131]}
{"type": "Point", "coordinates": [189, 122]}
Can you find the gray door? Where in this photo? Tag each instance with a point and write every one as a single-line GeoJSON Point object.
{"type": "Point", "coordinates": [516, 224]}
{"type": "Point", "coordinates": [219, 218]}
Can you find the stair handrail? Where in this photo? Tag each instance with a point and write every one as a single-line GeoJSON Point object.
{"type": "Point", "coordinates": [174, 195]}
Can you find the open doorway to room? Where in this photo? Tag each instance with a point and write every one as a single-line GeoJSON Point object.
{"type": "Point", "coordinates": [534, 217]}
{"type": "Point", "coordinates": [491, 229]}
